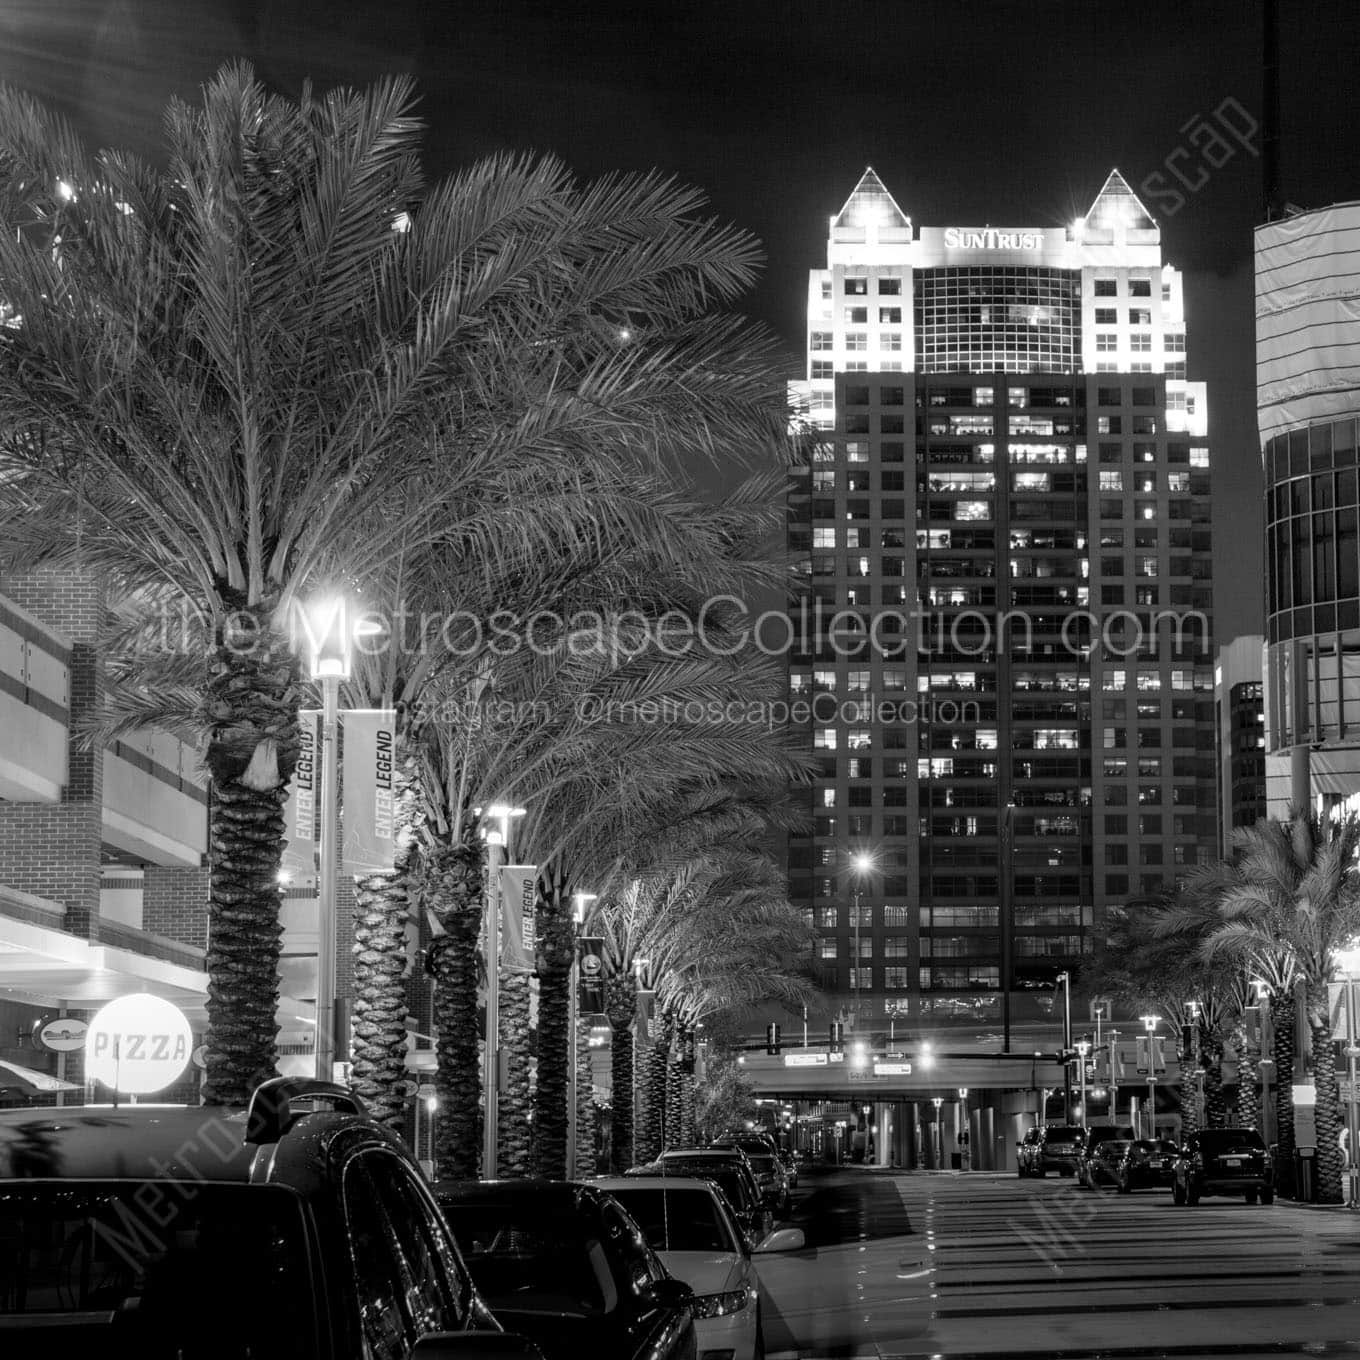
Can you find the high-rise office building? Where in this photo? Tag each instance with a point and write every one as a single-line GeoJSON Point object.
{"type": "Point", "coordinates": [1239, 714]}
{"type": "Point", "coordinates": [1002, 540]}
{"type": "Point", "coordinates": [1308, 405]}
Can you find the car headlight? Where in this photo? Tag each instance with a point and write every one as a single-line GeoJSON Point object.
{"type": "Point", "coordinates": [721, 1305]}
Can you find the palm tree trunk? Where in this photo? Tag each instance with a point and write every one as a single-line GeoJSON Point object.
{"type": "Point", "coordinates": [382, 908]}
{"type": "Point", "coordinates": [688, 1132]}
{"type": "Point", "coordinates": [1215, 1104]}
{"type": "Point", "coordinates": [555, 948]}
{"type": "Point", "coordinates": [1189, 1093]}
{"type": "Point", "coordinates": [586, 1164]}
{"type": "Point", "coordinates": [674, 1090]}
{"type": "Point", "coordinates": [652, 1131]}
{"type": "Point", "coordinates": [252, 694]}
{"type": "Point", "coordinates": [1283, 1018]}
{"type": "Point", "coordinates": [514, 1104]}
{"type": "Point", "coordinates": [380, 916]}
{"type": "Point", "coordinates": [1246, 1079]}
{"type": "Point", "coordinates": [1326, 1110]}
{"type": "Point", "coordinates": [620, 999]}
{"type": "Point", "coordinates": [452, 887]}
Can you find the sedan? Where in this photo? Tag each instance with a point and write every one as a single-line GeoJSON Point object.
{"type": "Point", "coordinates": [1104, 1165]}
{"type": "Point", "coordinates": [1147, 1162]}
{"type": "Point", "coordinates": [731, 1171]}
{"type": "Point", "coordinates": [771, 1178]}
{"type": "Point", "coordinates": [687, 1222]}
{"type": "Point", "coordinates": [567, 1267]}
{"type": "Point", "coordinates": [1224, 1162]}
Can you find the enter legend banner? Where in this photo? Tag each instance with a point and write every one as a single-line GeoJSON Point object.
{"type": "Point", "coordinates": [369, 816]}
{"type": "Point", "coordinates": [300, 814]}
{"type": "Point", "coordinates": [519, 883]}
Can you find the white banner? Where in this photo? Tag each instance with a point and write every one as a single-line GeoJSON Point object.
{"type": "Point", "coordinates": [300, 819]}
{"type": "Point", "coordinates": [368, 788]}
{"type": "Point", "coordinates": [519, 883]}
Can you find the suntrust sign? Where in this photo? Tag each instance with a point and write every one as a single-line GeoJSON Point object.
{"type": "Point", "coordinates": [989, 238]}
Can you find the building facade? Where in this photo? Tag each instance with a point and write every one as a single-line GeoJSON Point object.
{"type": "Point", "coordinates": [1003, 615]}
{"type": "Point", "coordinates": [1239, 717]}
{"type": "Point", "coordinates": [1308, 401]}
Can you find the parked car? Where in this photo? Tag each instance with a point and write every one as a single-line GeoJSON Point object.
{"type": "Point", "coordinates": [1148, 1162]}
{"type": "Point", "coordinates": [1026, 1153]}
{"type": "Point", "coordinates": [790, 1160]}
{"type": "Point", "coordinates": [1224, 1162]}
{"type": "Point", "coordinates": [1058, 1149]}
{"type": "Point", "coordinates": [1102, 1168]}
{"type": "Point", "coordinates": [298, 1227]}
{"type": "Point", "coordinates": [771, 1179]}
{"type": "Point", "coordinates": [687, 1222]}
{"type": "Point", "coordinates": [1096, 1134]}
{"type": "Point", "coordinates": [732, 1171]}
{"type": "Point", "coordinates": [563, 1263]}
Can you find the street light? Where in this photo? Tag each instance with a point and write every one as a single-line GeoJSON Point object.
{"type": "Point", "coordinates": [328, 640]}
{"type": "Point", "coordinates": [861, 863]}
{"type": "Point", "coordinates": [497, 849]}
{"type": "Point", "coordinates": [1066, 979]}
{"type": "Point", "coordinates": [1150, 1023]}
{"type": "Point", "coordinates": [1083, 1048]}
{"type": "Point", "coordinates": [578, 919]}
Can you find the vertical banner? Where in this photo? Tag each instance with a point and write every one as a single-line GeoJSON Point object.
{"type": "Point", "coordinates": [300, 812]}
{"type": "Point", "coordinates": [590, 959]}
{"type": "Point", "coordinates": [369, 804]}
{"type": "Point", "coordinates": [642, 1021]}
{"type": "Point", "coordinates": [519, 882]}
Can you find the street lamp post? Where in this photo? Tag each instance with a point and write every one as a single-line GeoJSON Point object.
{"type": "Point", "coordinates": [497, 852]}
{"type": "Point", "coordinates": [578, 919]}
{"type": "Point", "coordinates": [1066, 979]}
{"type": "Point", "coordinates": [861, 864]}
{"type": "Point", "coordinates": [937, 1102]}
{"type": "Point", "coordinates": [1083, 1048]}
{"type": "Point", "coordinates": [1004, 916]}
{"type": "Point", "coordinates": [329, 641]}
{"type": "Point", "coordinates": [1150, 1025]}
{"type": "Point", "coordinates": [1348, 961]}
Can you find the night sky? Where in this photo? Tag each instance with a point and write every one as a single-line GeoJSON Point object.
{"type": "Point", "coordinates": [1001, 112]}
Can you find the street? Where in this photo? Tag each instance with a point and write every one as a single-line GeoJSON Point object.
{"type": "Point", "coordinates": [1044, 1268]}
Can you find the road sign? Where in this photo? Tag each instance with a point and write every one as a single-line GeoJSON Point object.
{"type": "Point", "coordinates": [1347, 1091]}
{"type": "Point", "coordinates": [892, 1069]}
{"type": "Point", "coordinates": [805, 1060]}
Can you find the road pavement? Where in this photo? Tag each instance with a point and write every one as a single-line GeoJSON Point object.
{"type": "Point", "coordinates": [1043, 1268]}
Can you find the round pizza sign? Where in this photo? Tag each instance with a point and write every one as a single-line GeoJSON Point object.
{"type": "Point", "coordinates": [138, 1045]}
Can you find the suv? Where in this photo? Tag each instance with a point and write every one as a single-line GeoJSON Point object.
{"type": "Point", "coordinates": [1224, 1162]}
{"type": "Point", "coordinates": [285, 1232]}
{"type": "Point", "coordinates": [771, 1178]}
{"type": "Point", "coordinates": [1095, 1136]}
{"type": "Point", "coordinates": [1059, 1147]}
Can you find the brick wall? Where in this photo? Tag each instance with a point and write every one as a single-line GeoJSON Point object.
{"type": "Point", "coordinates": [54, 850]}
{"type": "Point", "coordinates": [175, 904]}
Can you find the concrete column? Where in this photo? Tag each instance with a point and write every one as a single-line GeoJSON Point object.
{"type": "Point", "coordinates": [1300, 776]}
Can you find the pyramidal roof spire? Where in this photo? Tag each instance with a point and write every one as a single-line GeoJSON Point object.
{"type": "Point", "coordinates": [1116, 203]}
{"type": "Point", "coordinates": [870, 205]}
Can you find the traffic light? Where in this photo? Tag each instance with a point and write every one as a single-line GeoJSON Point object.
{"type": "Point", "coordinates": [772, 1039]}
{"type": "Point", "coordinates": [837, 1037]}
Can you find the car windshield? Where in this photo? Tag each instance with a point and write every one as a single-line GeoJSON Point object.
{"type": "Point", "coordinates": [529, 1259]}
{"type": "Point", "coordinates": [1115, 1147]}
{"type": "Point", "coordinates": [1214, 1142]}
{"type": "Point", "coordinates": [138, 1262]}
{"type": "Point", "coordinates": [761, 1165]}
{"type": "Point", "coordinates": [678, 1220]}
{"type": "Point", "coordinates": [1064, 1135]}
{"type": "Point", "coordinates": [726, 1177]}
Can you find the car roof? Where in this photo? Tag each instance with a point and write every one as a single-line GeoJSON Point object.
{"type": "Point", "coordinates": [544, 1194]}
{"type": "Point", "coordinates": [716, 1153]}
{"type": "Point", "coordinates": [133, 1142]}
{"type": "Point", "coordinates": [609, 1184]}
{"type": "Point", "coordinates": [172, 1143]}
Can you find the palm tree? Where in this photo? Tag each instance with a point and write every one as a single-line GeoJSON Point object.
{"type": "Point", "coordinates": [235, 383]}
{"type": "Point", "coordinates": [1289, 904]}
